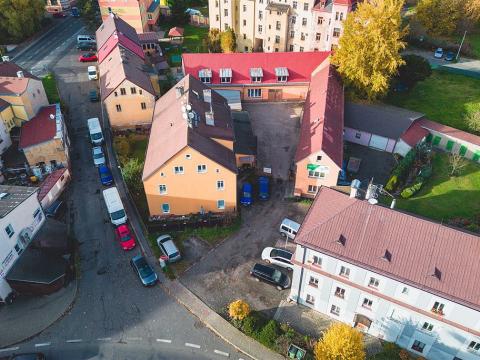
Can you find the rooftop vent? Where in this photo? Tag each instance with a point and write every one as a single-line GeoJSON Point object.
{"type": "Point", "coordinates": [209, 118]}
{"type": "Point", "coordinates": [387, 256]}
{"type": "Point", "coordinates": [20, 74]}
{"type": "Point", "coordinates": [341, 240]}
{"type": "Point", "coordinates": [437, 273]}
{"type": "Point", "coordinates": [5, 58]}
{"type": "Point", "coordinates": [3, 195]}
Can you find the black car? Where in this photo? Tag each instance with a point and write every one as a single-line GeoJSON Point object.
{"type": "Point", "coordinates": [271, 275]}
{"type": "Point", "coordinates": [86, 47]}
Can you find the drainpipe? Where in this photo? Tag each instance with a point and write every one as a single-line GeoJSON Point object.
{"type": "Point", "coordinates": [301, 273]}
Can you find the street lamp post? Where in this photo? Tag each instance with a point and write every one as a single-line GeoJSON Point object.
{"type": "Point", "coordinates": [461, 44]}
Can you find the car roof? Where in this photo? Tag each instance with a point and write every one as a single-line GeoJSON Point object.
{"type": "Point", "coordinates": [93, 67]}
{"type": "Point", "coordinates": [268, 270]}
{"type": "Point", "coordinates": [247, 186]}
{"type": "Point", "coordinates": [263, 179]}
{"type": "Point", "coordinates": [294, 225]}
{"type": "Point", "coordinates": [170, 247]}
{"type": "Point", "coordinates": [97, 149]}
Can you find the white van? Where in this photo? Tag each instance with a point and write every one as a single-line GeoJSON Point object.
{"type": "Point", "coordinates": [92, 72]}
{"type": "Point", "coordinates": [95, 131]}
{"type": "Point", "coordinates": [114, 206]}
{"type": "Point", "coordinates": [85, 39]}
{"type": "Point", "coordinates": [289, 228]}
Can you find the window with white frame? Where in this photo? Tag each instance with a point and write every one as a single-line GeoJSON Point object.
{"type": "Point", "coordinates": [317, 260]}
{"type": "Point", "coordinates": [335, 310]}
{"type": "Point", "coordinates": [340, 292]}
{"type": "Point", "coordinates": [367, 303]}
{"type": "Point", "coordinates": [166, 208]}
{"type": "Point", "coordinates": [313, 281]}
{"type": "Point", "coordinates": [202, 168]}
{"type": "Point", "coordinates": [418, 346]}
{"type": "Point", "coordinates": [310, 299]}
{"type": "Point", "coordinates": [358, 135]}
{"type": "Point", "coordinates": [220, 185]}
{"type": "Point", "coordinates": [427, 326]}
{"type": "Point", "coordinates": [221, 204]}
{"type": "Point", "coordinates": [163, 189]}
{"type": "Point", "coordinates": [254, 93]}
{"type": "Point", "coordinates": [373, 283]}
{"type": "Point", "coordinates": [318, 36]}
{"type": "Point", "coordinates": [438, 308]}
{"type": "Point", "coordinates": [312, 189]}
{"type": "Point", "coordinates": [260, 28]}
{"type": "Point", "coordinates": [178, 169]}
{"type": "Point", "coordinates": [336, 32]}
{"type": "Point", "coordinates": [260, 15]}
{"type": "Point", "coordinates": [316, 174]}
{"type": "Point", "coordinates": [9, 230]}
{"type": "Point", "coordinates": [344, 271]}
{"type": "Point", "coordinates": [474, 346]}
{"type": "Point", "coordinates": [292, 34]}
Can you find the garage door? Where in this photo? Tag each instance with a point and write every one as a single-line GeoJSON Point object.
{"type": "Point", "coordinates": [378, 142]}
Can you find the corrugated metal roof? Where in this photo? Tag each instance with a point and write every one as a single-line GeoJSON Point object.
{"type": "Point", "coordinates": [225, 72]}
{"type": "Point", "coordinates": [256, 72]}
{"type": "Point", "coordinates": [281, 71]}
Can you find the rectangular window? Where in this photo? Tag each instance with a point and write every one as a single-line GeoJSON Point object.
{"type": "Point", "coordinates": [178, 169]}
{"type": "Point", "coordinates": [225, 80]}
{"type": "Point", "coordinates": [341, 16]}
{"type": "Point", "coordinates": [339, 292]}
{"type": "Point", "coordinates": [474, 346]}
{"type": "Point", "coordinates": [244, 22]}
{"type": "Point", "coordinates": [166, 208]}
{"type": "Point", "coordinates": [278, 25]}
{"type": "Point", "coordinates": [320, 20]}
{"type": "Point", "coordinates": [260, 15]}
{"type": "Point", "coordinates": [260, 28]}
{"type": "Point", "coordinates": [344, 271]}
{"type": "Point", "coordinates": [221, 204]}
{"type": "Point", "coordinates": [118, 107]}
{"type": "Point", "coordinates": [254, 93]}
{"type": "Point", "coordinates": [336, 32]}
{"type": "Point", "coordinates": [244, 8]}
{"type": "Point", "coordinates": [358, 135]}
{"type": "Point", "coordinates": [310, 299]}
{"type": "Point", "coordinates": [225, 12]}
{"type": "Point", "coordinates": [335, 310]}
{"type": "Point", "coordinates": [319, 158]}
{"type": "Point", "coordinates": [316, 174]}
{"type": "Point", "coordinates": [294, 20]}
{"type": "Point", "coordinates": [292, 34]}
{"type": "Point", "coordinates": [373, 283]}
{"type": "Point", "coordinates": [418, 346]}
{"type": "Point", "coordinates": [143, 105]}
{"type": "Point", "coordinates": [123, 91]}
{"type": "Point", "coordinates": [206, 79]}
{"type": "Point", "coordinates": [438, 308]}
{"type": "Point", "coordinates": [318, 36]}
{"type": "Point", "coordinates": [302, 36]}
{"type": "Point", "coordinates": [313, 281]}
{"type": "Point", "coordinates": [427, 326]}
{"type": "Point", "coordinates": [305, 6]}
{"type": "Point", "coordinates": [317, 260]}
{"type": "Point", "coordinates": [405, 291]}
{"type": "Point", "coordinates": [244, 36]}
{"type": "Point", "coordinates": [304, 21]}
{"type": "Point", "coordinates": [163, 189]}
{"type": "Point", "coordinates": [217, 18]}
{"type": "Point", "coordinates": [201, 169]}
{"type": "Point", "coordinates": [220, 185]}
{"type": "Point", "coordinates": [336, 15]}
{"type": "Point", "coordinates": [290, 48]}
{"type": "Point", "coordinates": [133, 90]}
{"type": "Point", "coordinates": [294, 4]}
{"type": "Point", "coordinates": [367, 303]}
{"type": "Point", "coordinates": [277, 39]}
{"type": "Point", "coordinates": [9, 230]}
{"type": "Point", "coordinates": [312, 189]}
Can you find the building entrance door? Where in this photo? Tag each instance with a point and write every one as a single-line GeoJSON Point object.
{"type": "Point", "coordinates": [274, 94]}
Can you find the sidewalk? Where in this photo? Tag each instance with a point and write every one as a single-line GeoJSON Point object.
{"type": "Point", "coordinates": [28, 316]}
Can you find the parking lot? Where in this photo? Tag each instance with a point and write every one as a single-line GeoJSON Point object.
{"type": "Point", "coordinates": [276, 126]}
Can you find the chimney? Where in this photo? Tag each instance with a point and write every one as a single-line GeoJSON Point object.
{"type": "Point", "coordinates": [52, 116]}
{"type": "Point", "coordinates": [354, 186]}
{"type": "Point", "coordinates": [392, 205]}
{"type": "Point", "coordinates": [179, 91]}
{"type": "Point", "coordinates": [5, 58]}
{"type": "Point", "coordinates": [20, 74]}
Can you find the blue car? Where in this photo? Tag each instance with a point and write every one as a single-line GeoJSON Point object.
{"type": "Point", "coordinates": [147, 275]}
{"type": "Point", "coordinates": [105, 175]}
{"type": "Point", "coordinates": [246, 198]}
{"type": "Point", "coordinates": [263, 188]}
{"type": "Point", "coordinates": [450, 56]}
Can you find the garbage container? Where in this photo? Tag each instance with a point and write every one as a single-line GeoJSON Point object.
{"type": "Point", "coordinates": [163, 261]}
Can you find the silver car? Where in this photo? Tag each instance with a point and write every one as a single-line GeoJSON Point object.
{"type": "Point", "coordinates": [98, 156]}
{"type": "Point", "coordinates": [168, 248]}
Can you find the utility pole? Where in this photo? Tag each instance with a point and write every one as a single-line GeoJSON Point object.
{"type": "Point", "coordinates": [461, 44]}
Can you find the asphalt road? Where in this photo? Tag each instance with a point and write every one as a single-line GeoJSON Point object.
{"type": "Point", "coordinates": [114, 317]}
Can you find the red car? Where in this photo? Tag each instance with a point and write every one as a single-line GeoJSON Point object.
{"type": "Point", "coordinates": [88, 57]}
{"type": "Point", "coordinates": [125, 236]}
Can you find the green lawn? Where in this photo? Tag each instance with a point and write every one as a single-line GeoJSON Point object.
{"type": "Point", "coordinates": [193, 41]}
{"type": "Point", "coordinates": [444, 197]}
{"type": "Point", "coordinates": [50, 86]}
{"type": "Point", "coordinates": [474, 40]}
{"type": "Point", "coordinates": [443, 97]}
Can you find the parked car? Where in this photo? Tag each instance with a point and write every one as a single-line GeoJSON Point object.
{"type": "Point", "coordinates": [246, 198]}
{"type": "Point", "coordinates": [93, 95]}
{"type": "Point", "coordinates": [450, 56]}
{"type": "Point", "coordinates": [26, 356]}
{"type": "Point", "coordinates": [74, 11]}
{"type": "Point", "coordinates": [438, 53]}
{"type": "Point", "coordinates": [105, 174]}
{"type": "Point", "coordinates": [270, 275]}
{"type": "Point", "coordinates": [92, 73]}
{"type": "Point", "coordinates": [56, 209]}
{"type": "Point", "coordinates": [59, 14]}
{"type": "Point", "coordinates": [168, 248]}
{"type": "Point", "coordinates": [263, 188]}
{"type": "Point", "coordinates": [88, 57]}
{"type": "Point", "coordinates": [86, 47]}
{"type": "Point", "coordinates": [98, 156]}
{"type": "Point", "coordinates": [125, 236]}
{"type": "Point", "coordinates": [147, 275]}
{"type": "Point", "coordinates": [289, 228]}
{"type": "Point", "coordinates": [278, 257]}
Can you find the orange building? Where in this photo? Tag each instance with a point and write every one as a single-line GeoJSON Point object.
{"type": "Point", "coordinates": [190, 164]}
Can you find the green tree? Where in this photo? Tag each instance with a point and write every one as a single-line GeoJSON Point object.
{"type": "Point", "coordinates": [416, 68]}
{"type": "Point", "coordinates": [89, 13]}
{"type": "Point", "coordinates": [213, 41]}
{"type": "Point", "coordinates": [178, 14]}
{"type": "Point", "coordinates": [440, 17]}
{"type": "Point", "coordinates": [369, 49]}
{"type": "Point", "coordinates": [20, 19]}
{"type": "Point", "coordinates": [340, 342]}
{"type": "Point", "coordinates": [473, 121]}
{"type": "Point", "coordinates": [228, 41]}
{"type": "Point", "coordinates": [132, 174]}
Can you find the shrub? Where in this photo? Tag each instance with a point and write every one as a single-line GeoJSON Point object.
{"type": "Point", "coordinates": [340, 342]}
{"type": "Point", "coordinates": [252, 323]}
{"type": "Point", "coordinates": [238, 310]}
{"type": "Point", "coordinates": [269, 334]}
{"type": "Point", "coordinates": [122, 146]}
{"type": "Point", "coordinates": [426, 172]}
{"type": "Point", "coordinates": [416, 68]}
{"type": "Point", "coordinates": [404, 165]}
{"type": "Point", "coordinates": [392, 183]}
{"type": "Point", "coordinates": [403, 354]}
{"type": "Point", "coordinates": [410, 191]}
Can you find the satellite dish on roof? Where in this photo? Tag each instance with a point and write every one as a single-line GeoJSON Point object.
{"type": "Point", "coordinates": [189, 107]}
{"type": "Point", "coordinates": [184, 109]}
{"type": "Point", "coordinates": [52, 116]}
{"type": "Point", "coordinates": [372, 201]}
{"type": "Point", "coordinates": [185, 116]}
{"type": "Point", "coordinates": [191, 115]}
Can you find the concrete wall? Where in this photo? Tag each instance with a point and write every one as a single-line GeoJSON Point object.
{"type": "Point", "coordinates": [246, 25]}
{"type": "Point", "coordinates": [302, 180]}
{"type": "Point", "coordinates": [131, 114]}
{"type": "Point", "coordinates": [349, 134]}
{"type": "Point", "coordinates": [287, 92]}
{"type": "Point", "coordinates": [189, 192]}
{"type": "Point", "coordinates": [398, 310]}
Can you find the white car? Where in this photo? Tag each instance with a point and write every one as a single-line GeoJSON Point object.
{"type": "Point", "coordinates": [92, 73]}
{"type": "Point", "coordinates": [168, 248]}
{"type": "Point", "coordinates": [98, 156]}
{"type": "Point", "coordinates": [438, 53]}
{"type": "Point", "coordinates": [278, 257]}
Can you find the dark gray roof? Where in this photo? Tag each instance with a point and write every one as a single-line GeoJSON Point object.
{"type": "Point", "coordinates": [114, 23]}
{"type": "Point", "coordinates": [245, 141]}
{"type": "Point", "coordinates": [12, 196]}
{"type": "Point", "coordinates": [379, 119]}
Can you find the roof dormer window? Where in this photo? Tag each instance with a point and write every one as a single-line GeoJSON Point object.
{"type": "Point", "coordinates": [226, 76]}
{"type": "Point", "coordinates": [282, 74]}
{"type": "Point", "coordinates": [205, 76]}
{"type": "Point", "coordinates": [256, 74]}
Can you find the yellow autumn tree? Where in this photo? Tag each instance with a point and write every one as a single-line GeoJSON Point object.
{"type": "Point", "coordinates": [440, 17]}
{"type": "Point", "coordinates": [340, 342]}
{"type": "Point", "coordinates": [369, 49]}
{"type": "Point", "coordinates": [238, 310]}
{"type": "Point", "coordinates": [472, 9]}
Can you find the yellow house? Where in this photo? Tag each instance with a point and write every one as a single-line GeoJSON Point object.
{"type": "Point", "coordinates": [22, 90]}
{"type": "Point", "coordinates": [6, 115]}
{"type": "Point", "coordinates": [190, 164]}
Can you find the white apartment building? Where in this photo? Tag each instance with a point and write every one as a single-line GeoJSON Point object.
{"type": "Point", "coordinates": [390, 274]}
{"type": "Point", "coordinates": [288, 25]}
{"type": "Point", "coordinates": [21, 216]}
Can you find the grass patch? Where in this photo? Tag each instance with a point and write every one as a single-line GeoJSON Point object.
{"type": "Point", "coordinates": [443, 97]}
{"type": "Point", "coordinates": [130, 146]}
{"type": "Point", "coordinates": [192, 42]}
{"type": "Point", "coordinates": [390, 351]}
{"type": "Point", "coordinates": [474, 40]}
{"type": "Point", "coordinates": [50, 85]}
{"type": "Point", "coordinates": [443, 197]}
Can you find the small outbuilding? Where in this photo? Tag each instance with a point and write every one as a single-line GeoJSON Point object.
{"type": "Point", "coordinates": [176, 33]}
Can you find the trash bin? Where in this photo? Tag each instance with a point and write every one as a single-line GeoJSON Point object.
{"type": "Point", "coordinates": [163, 261]}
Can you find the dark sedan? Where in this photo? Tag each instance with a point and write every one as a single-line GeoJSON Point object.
{"type": "Point", "coordinates": [147, 275]}
{"type": "Point", "coordinates": [270, 275]}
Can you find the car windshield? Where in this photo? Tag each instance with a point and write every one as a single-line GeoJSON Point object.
{"type": "Point", "coordinates": [117, 214]}
{"type": "Point", "coordinates": [277, 275]}
{"type": "Point", "coordinates": [246, 194]}
{"type": "Point", "coordinates": [174, 255]}
{"type": "Point", "coordinates": [280, 253]}
{"type": "Point", "coordinates": [98, 156]}
{"type": "Point", "coordinates": [96, 136]}
{"type": "Point", "coordinates": [93, 72]}
{"type": "Point", "coordinates": [125, 237]}
{"type": "Point", "coordinates": [145, 270]}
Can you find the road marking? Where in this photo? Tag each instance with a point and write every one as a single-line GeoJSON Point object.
{"type": "Point", "coordinates": [164, 341]}
{"type": "Point", "coordinates": [134, 339]}
{"type": "Point", "coordinates": [193, 345]}
{"type": "Point", "coordinates": [43, 344]}
{"type": "Point", "coordinates": [74, 341]}
{"type": "Point", "coordinates": [104, 339]}
{"type": "Point", "coordinates": [223, 353]}
{"type": "Point", "coordinates": [10, 349]}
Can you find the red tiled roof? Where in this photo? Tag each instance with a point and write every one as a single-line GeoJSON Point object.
{"type": "Point", "coordinates": [112, 24]}
{"type": "Point", "coordinates": [449, 131]}
{"type": "Point", "coordinates": [175, 31]}
{"type": "Point", "coordinates": [50, 182]}
{"type": "Point", "coordinates": [39, 129]}
{"type": "Point", "coordinates": [121, 40]}
{"type": "Point", "coordinates": [10, 83]}
{"type": "Point", "coordinates": [414, 134]}
{"type": "Point", "coordinates": [322, 122]}
{"type": "Point", "coordinates": [300, 65]}
{"type": "Point", "coordinates": [417, 246]}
